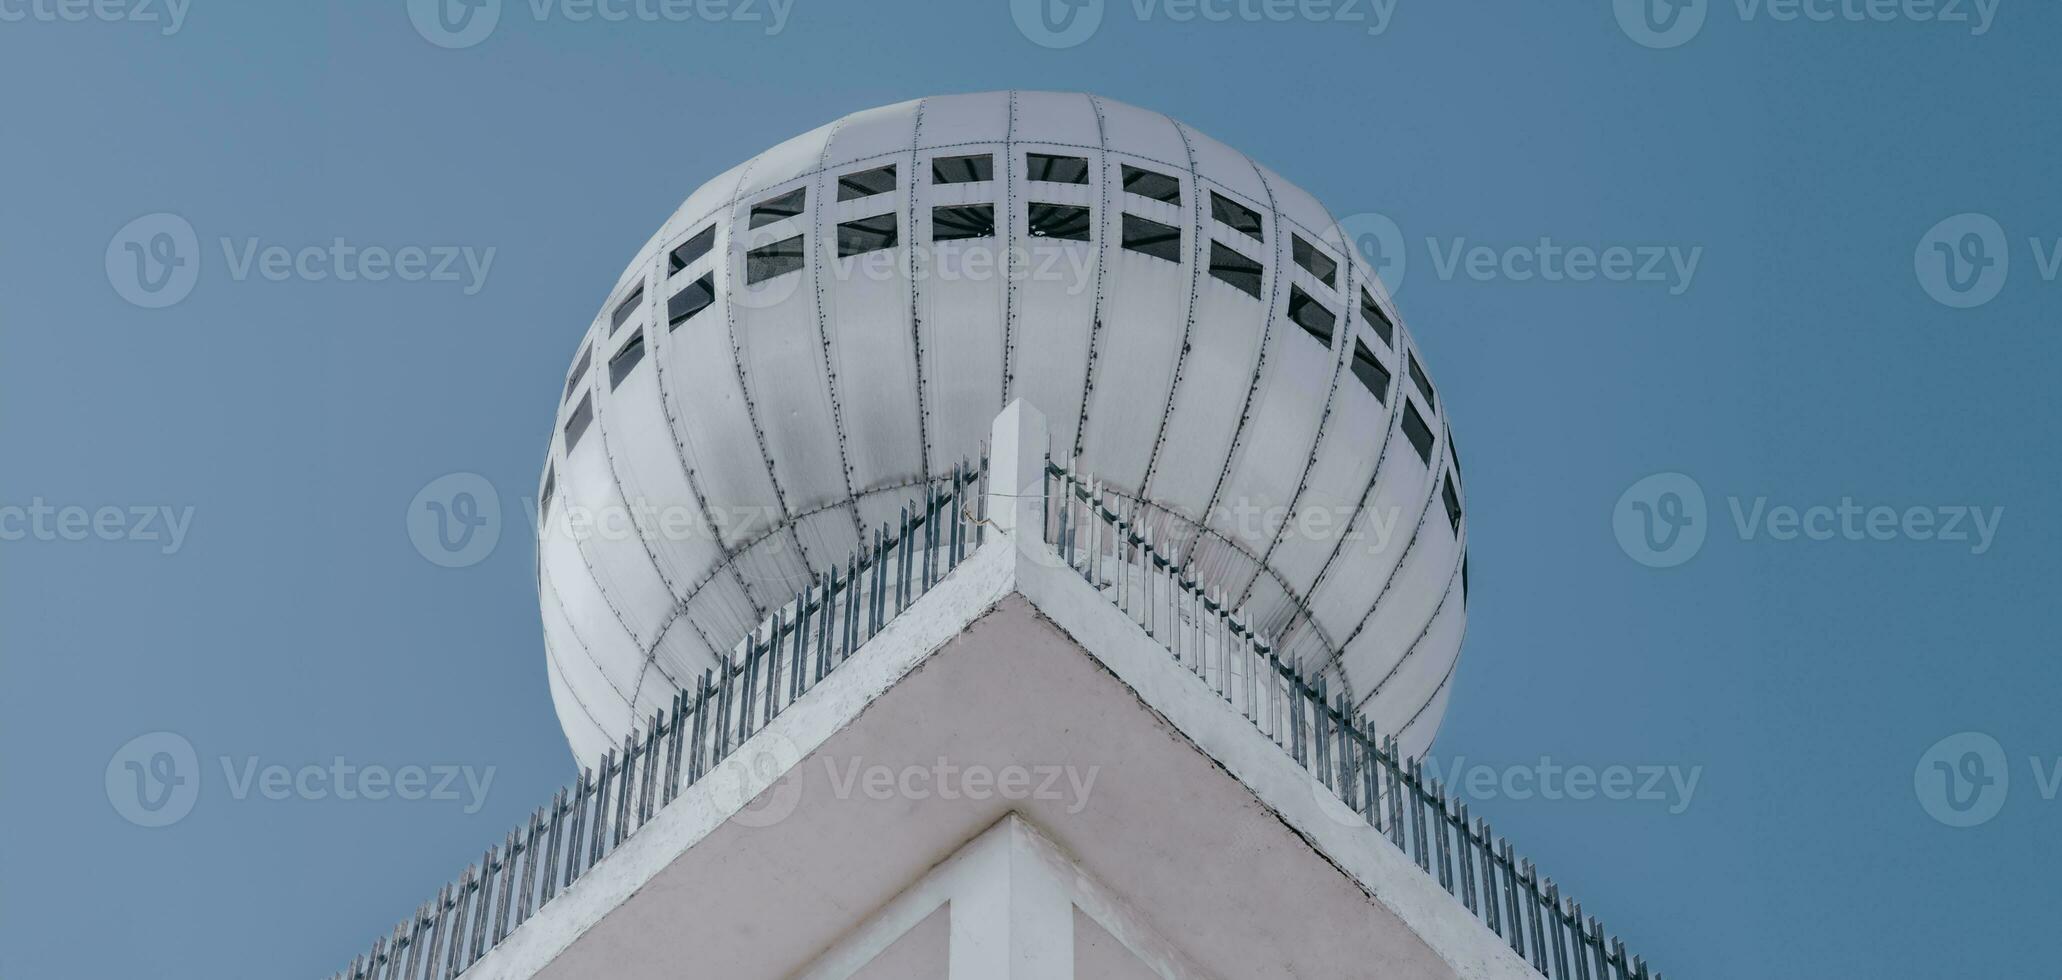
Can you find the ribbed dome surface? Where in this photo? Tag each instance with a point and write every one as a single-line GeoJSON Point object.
{"type": "Point", "coordinates": [818, 332]}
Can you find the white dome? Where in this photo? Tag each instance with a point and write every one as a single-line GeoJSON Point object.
{"type": "Point", "coordinates": [779, 370]}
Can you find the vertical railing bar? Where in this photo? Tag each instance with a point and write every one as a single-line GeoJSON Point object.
{"type": "Point", "coordinates": [597, 811]}
{"type": "Point", "coordinates": [576, 815]}
{"type": "Point", "coordinates": [1539, 945]}
{"type": "Point", "coordinates": [1438, 793]}
{"type": "Point", "coordinates": [1508, 858]}
{"type": "Point", "coordinates": [799, 654]}
{"type": "Point", "coordinates": [454, 946]}
{"type": "Point", "coordinates": [770, 673]}
{"type": "Point", "coordinates": [1581, 957]}
{"type": "Point", "coordinates": [511, 851]}
{"type": "Point", "coordinates": [1416, 780]}
{"type": "Point", "coordinates": [416, 928]}
{"type": "Point", "coordinates": [675, 741]}
{"type": "Point", "coordinates": [1554, 914]}
{"type": "Point", "coordinates": [530, 866]}
{"type": "Point", "coordinates": [1467, 868]}
{"type": "Point", "coordinates": [480, 920]}
{"type": "Point", "coordinates": [626, 790]}
{"type": "Point", "coordinates": [828, 606]}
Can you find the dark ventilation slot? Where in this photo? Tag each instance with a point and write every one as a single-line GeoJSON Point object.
{"type": "Point", "coordinates": [769, 261]}
{"type": "Point", "coordinates": [779, 208]}
{"type": "Point", "coordinates": [691, 299]}
{"type": "Point", "coordinates": [958, 222]}
{"type": "Point", "coordinates": [1151, 184]}
{"type": "Point", "coordinates": [1238, 216]}
{"type": "Point", "coordinates": [1373, 376]}
{"type": "Point", "coordinates": [1152, 238]}
{"type": "Point", "coordinates": [1056, 169]}
{"type": "Point", "coordinates": [626, 309]}
{"type": "Point", "coordinates": [866, 183]}
{"type": "Point", "coordinates": [1417, 377]}
{"type": "Point", "coordinates": [576, 423]}
{"type": "Point", "coordinates": [1240, 272]}
{"type": "Point", "coordinates": [1415, 429]}
{"type": "Point", "coordinates": [1314, 262]}
{"type": "Point", "coordinates": [579, 371]}
{"type": "Point", "coordinates": [1453, 505]}
{"type": "Point", "coordinates": [684, 254]}
{"type": "Point", "coordinates": [1372, 313]}
{"type": "Point", "coordinates": [1067, 222]}
{"type": "Point", "coordinates": [1311, 316]}
{"type": "Point", "coordinates": [625, 359]}
{"type": "Point", "coordinates": [866, 235]}
{"type": "Point", "coordinates": [963, 169]}
{"type": "Point", "coordinates": [550, 484]}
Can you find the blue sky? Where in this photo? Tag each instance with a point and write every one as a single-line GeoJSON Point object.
{"type": "Point", "coordinates": [1836, 301]}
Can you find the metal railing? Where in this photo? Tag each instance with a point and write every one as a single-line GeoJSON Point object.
{"type": "Point", "coordinates": [797, 647]}
{"type": "Point", "coordinates": [1101, 535]}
